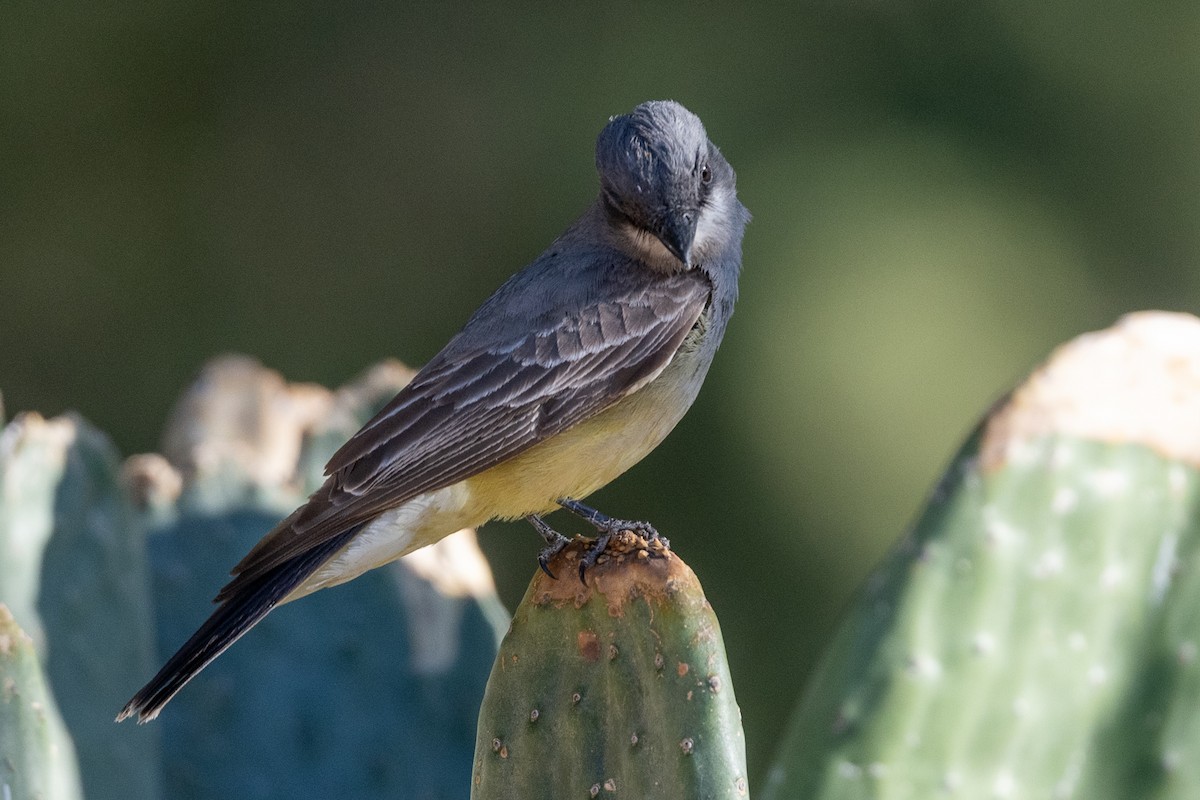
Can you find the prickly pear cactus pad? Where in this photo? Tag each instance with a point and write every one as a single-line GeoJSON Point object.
{"type": "Point", "coordinates": [1036, 635]}
{"type": "Point", "coordinates": [616, 688]}
{"type": "Point", "coordinates": [72, 571]}
{"type": "Point", "coordinates": [36, 756]}
{"type": "Point", "coordinates": [367, 691]}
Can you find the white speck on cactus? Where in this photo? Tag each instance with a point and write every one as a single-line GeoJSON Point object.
{"type": "Point", "coordinates": [1164, 567]}
{"type": "Point", "coordinates": [1065, 788]}
{"type": "Point", "coordinates": [1004, 785]}
{"type": "Point", "coordinates": [1065, 499]}
{"type": "Point", "coordinates": [1024, 452]}
{"type": "Point", "coordinates": [1177, 480]}
{"type": "Point", "coordinates": [996, 530]}
{"type": "Point", "coordinates": [924, 666]}
{"type": "Point", "coordinates": [1097, 675]}
{"type": "Point", "coordinates": [983, 643]}
{"type": "Point", "coordinates": [1048, 564]}
{"type": "Point", "coordinates": [1109, 482]}
{"type": "Point", "coordinates": [1062, 456]}
{"type": "Point", "coordinates": [951, 781]}
{"type": "Point", "coordinates": [1112, 576]}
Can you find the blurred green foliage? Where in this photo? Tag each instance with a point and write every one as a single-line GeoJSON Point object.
{"type": "Point", "coordinates": [942, 192]}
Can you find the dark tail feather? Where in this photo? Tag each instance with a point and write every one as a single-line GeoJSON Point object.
{"type": "Point", "coordinates": [236, 615]}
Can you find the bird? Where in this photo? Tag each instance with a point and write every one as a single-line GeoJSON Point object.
{"type": "Point", "coordinates": [569, 374]}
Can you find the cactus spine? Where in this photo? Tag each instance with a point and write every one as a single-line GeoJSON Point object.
{"type": "Point", "coordinates": [616, 689]}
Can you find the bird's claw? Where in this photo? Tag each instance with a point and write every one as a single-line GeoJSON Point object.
{"type": "Point", "coordinates": [643, 529]}
{"type": "Point", "coordinates": [549, 552]}
{"type": "Point", "coordinates": [593, 554]}
{"type": "Point", "coordinates": [555, 542]}
{"type": "Point", "coordinates": [607, 527]}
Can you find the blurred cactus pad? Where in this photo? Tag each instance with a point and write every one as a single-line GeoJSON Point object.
{"type": "Point", "coordinates": [370, 690]}
{"type": "Point", "coordinates": [616, 688]}
{"type": "Point", "coordinates": [1035, 635]}
{"type": "Point", "coordinates": [36, 756]}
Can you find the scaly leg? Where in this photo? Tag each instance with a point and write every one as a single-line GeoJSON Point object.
{"type": "Point", "coordinates": [607, 526]}
{"type": "Point", "coordinates": [555, 542]}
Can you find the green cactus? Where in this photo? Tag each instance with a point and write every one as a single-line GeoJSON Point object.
{"type": "Point", "coordinates": [36, 757]}
{"type": "Point", "coordinates": [616, 689]}
{"type": "Point", "coordinates": [33, 455]}
{"type": "Point", "coordinates": [74, 573]}
{"type": "Point", "coordinates": [1036, 635]}
{"type": "Point", "coordinates": [367, 691]}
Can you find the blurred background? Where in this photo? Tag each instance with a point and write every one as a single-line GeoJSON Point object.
{"type": "Point", "coordinates": [942, 192]}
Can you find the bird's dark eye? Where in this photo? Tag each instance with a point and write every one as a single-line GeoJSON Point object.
{"type": "Point", "coordinates": [706, 175]}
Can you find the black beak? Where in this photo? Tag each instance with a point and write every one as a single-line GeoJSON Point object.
{"type": "Point", "coordinates": [678, 232]}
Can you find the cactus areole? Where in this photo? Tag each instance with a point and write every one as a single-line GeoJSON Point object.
{"type": "Point", "coordinates": [616, 688]}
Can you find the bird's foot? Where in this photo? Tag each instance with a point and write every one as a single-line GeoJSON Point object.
{"type": "Point", "coordinates": [593, 554]}
{"type": "Point", "coordinates": [607, 526]}
{"type": "Point", "coordinates": [555, 542]}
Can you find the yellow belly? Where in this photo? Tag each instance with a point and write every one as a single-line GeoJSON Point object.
{"type": "Point", "coordinates": [573, 464]}
{"type": "Point", "coordinates": [580, 460]}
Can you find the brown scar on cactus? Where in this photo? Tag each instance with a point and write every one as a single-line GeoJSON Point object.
{"type": "Point", "coordinates": [630, 568]}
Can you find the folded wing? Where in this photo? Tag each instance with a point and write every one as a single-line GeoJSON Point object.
{"type": "Point", "coordinates": [468, 411]}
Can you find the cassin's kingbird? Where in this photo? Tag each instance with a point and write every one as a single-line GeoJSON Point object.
{"type": "Point", "coordinates": [574, 370]}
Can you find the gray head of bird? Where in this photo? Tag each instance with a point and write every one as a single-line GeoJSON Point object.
{"type": "Point", "coordinates": [665, 183]}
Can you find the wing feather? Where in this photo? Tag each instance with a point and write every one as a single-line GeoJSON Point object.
{"type": "Point", "coordinates": [468, 411]}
